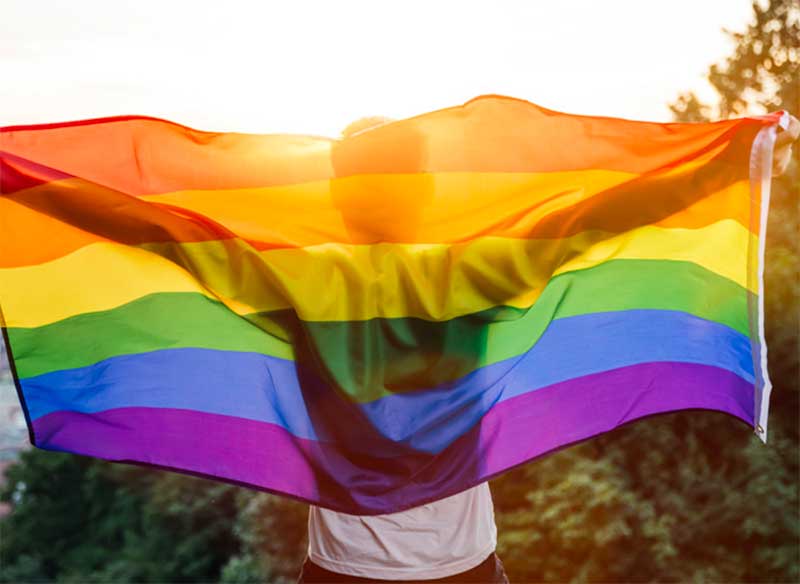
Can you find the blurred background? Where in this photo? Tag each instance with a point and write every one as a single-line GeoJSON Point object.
{"type": "Point", "coordinates": [690, 496]}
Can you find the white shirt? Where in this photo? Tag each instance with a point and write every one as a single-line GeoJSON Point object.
{"type": "Point", "coordinates": [435, 540]}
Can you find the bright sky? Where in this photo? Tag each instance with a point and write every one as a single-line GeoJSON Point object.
{"type": "Point", "coordinates": [313, 67]}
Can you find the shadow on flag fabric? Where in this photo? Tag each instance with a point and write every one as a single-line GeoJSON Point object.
{"type": "Point", "coordinates": [376, 322]}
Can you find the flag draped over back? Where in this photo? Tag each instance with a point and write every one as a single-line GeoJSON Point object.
{"type": "Point", "coordinates": [375, 322]}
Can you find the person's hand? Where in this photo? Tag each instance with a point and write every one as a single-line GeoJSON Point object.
{"type": "Point", "coordinates": [783, 147]}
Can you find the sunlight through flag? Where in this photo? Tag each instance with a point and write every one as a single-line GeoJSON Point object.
{"type": "Point", "coordinates": [379, 321]}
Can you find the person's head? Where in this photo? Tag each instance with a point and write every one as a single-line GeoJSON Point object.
{"type": "Point", "coordinates": [380, 186]}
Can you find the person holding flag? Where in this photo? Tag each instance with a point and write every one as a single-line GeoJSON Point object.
{"type": "Point", "coordinates": [450, 540]}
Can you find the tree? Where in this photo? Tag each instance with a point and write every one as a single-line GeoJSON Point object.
{"type": "Point", "coordinates": [761, 74]}
{"type": "Point", "coordinates": [76, 519]}
{"type": "Point", "coordinates": [272, 532]}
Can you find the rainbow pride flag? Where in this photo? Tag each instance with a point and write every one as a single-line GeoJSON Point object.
{"type": "Point", "coordinates": [371, 323]}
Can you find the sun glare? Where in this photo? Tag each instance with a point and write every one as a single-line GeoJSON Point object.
{"type": "Point", "coordinates": [314, 67]}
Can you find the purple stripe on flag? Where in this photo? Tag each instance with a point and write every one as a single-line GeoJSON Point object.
{"type": "Point", "coordinates": [581, 408]}
{"type": "Point", "coordinates": [266, 456]}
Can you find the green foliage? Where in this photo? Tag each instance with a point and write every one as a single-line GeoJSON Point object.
{"type": "Point", "coordinates": [763, 68]}
{"type": "Point", "coordinates": [51, 531]}
{"type": "Point", "coordinates": [272, 531]}
{"type": "Point", "coordinates": [679, 498]}
{"type": "Point", "coordinates": [761, 74]}
{"type": "Point", "coordinates": [82, 520]}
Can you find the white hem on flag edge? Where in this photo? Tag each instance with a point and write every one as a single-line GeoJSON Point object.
{"type": "Point", "coordinates": [760, 183]}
